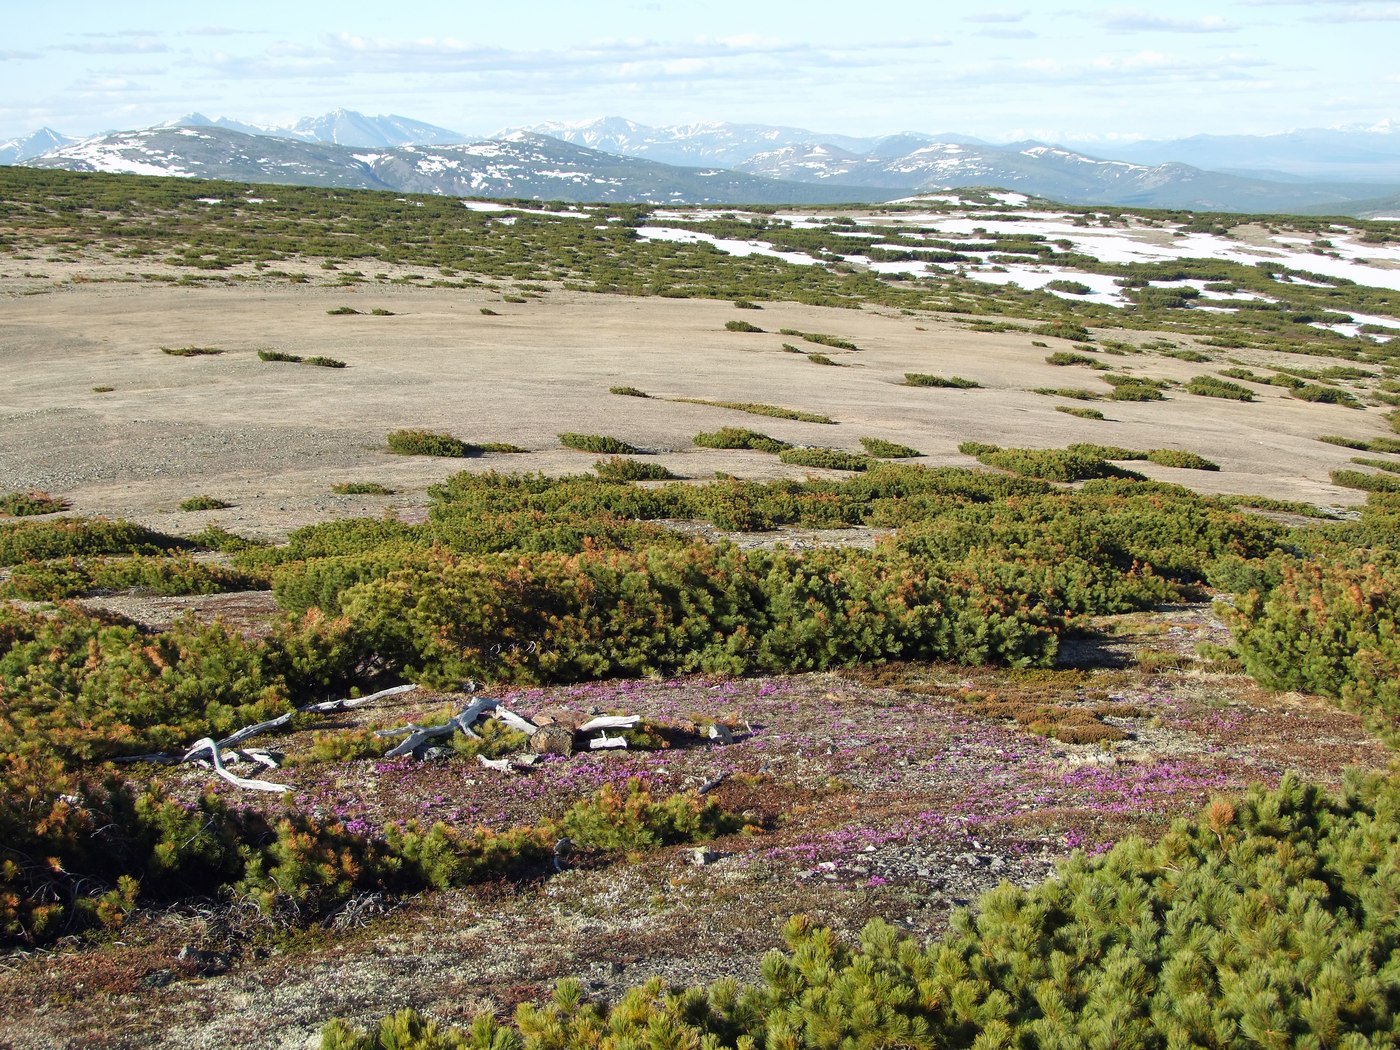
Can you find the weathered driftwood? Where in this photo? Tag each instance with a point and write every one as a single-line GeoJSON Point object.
{"type": "Point", "coordinates": [501, 765]}
{"type": "Point", "coordinates": [419, 735]}
{"type": "Point", "coordinates": [323, 707]}
{"type": "Point", "coordinates": [327, 706]}
{"type": "Point", "coordinates": [208, 744]}
{"type": "Point", "coordinates": [600, 743]}
{"type": "Point", "coordinates": [513, 720]}
{"type": "Point", "coordinates": [610, 722]}
{"type": "Point", "coordinates": [261, 727]}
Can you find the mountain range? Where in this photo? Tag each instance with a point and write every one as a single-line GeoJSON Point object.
{"type": "Point", "coordinates": [617, 159]}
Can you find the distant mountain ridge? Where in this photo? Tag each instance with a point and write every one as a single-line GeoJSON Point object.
{"type": "Point", "coordinates": [523, 165]}
{"type": "Point", "coordinates": [693, 163]}
{"type": "Point", "coordinates": [16, 151]}
{"type": "Point", "coordinates": [341, 127]}
{"type": "Point", "coordinates": [1370, 154]}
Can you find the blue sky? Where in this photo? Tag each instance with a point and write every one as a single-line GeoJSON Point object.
{"type": "Point", "coordinates": [1059, 71]}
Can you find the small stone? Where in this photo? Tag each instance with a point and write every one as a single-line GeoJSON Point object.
{"type": "Point", "coordinates": [720, 734]}
{"type": "Point", "coordinates": [700, 856]}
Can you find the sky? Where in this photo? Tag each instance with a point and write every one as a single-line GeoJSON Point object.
{"type": "Point", "coordinates": [1056, 71]}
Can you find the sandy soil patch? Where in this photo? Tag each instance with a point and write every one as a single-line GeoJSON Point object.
{"type": "Point", "coordinates": [272, 438]}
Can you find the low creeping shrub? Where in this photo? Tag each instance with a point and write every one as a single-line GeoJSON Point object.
{"type": "Point", "coordinates": [191, 503]}
{"type": "Point", "coordinates": [738, 437]}
{"type": "Point", "coordinates": [427, 443]}
{"type": "Point", "coordinates": [828, 458]}
{"type": "Point", "coordinates": [924, 379]}
{"type": "Point", "coordinates": [599, 443]}
{"type": "Point", "coordinates": [882, 449]}
{"type": "Point", "coordinates": [27, 504]}
{"type": "Point", "coordinates": [619, 468]}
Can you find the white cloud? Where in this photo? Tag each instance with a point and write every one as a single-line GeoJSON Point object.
{"type": "Point", "coordinates": [996, 16]}
{"type": "Point", "coordinates": [1133, 20]}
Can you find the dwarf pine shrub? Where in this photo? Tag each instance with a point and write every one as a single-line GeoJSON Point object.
{"type": "Point", "coordinates": [954, 382]}
{"type": "Point", "coordinates": [428, 443]}
{"type": "Point", "coordinates": [598, 443]}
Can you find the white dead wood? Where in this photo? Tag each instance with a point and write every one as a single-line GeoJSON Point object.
{"type": "Point", "coordinates": [501, 765]}
{"type": "Point", "coordinates": [610, 722]}
{"type": "Point", "coordinates": [721, 734]}
{"type": "Point", "coordinates": [599, 743]}
{"type": "Point", "coordinates": [323, 707]}
{"type": "Point", "coordinates": [261, 757]}
{"type": "Point", "coordinates": [208, 744]}
{"type": "Point", "coordinates": [419, 735]}
{"type": "Point", "coordinates": [327, 706]}
{"type": "Point", "coordinates": [252, 730]}
{"type": "Point", "coordinates": [513, 720]}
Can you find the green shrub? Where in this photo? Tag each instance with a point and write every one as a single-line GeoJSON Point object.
{"type": "Point", "coordinates": [324, 362]}
{"type": "Point", "coordinates": [1071, 392]}
{"type": "Point", "coordinates": [341, 311]}
{"type": "Point", "coordinates": [1049, 464]}
{"type": "Point", "coordinates": [488, 312]}
{"type": "Point", "coordinates": [822, 339]}
{"type": "Point", "coordinates": [1075, 333]}
{"type": "Point", "coordinates": [79, 538]}
{"type": "Point", "coordinates": [628, 391]}
{"type": "Point", "coordinates": [745, 304]}
{"type": "Point", "coordinates": [1068, 287]}
{"type": "Point", "coordinates": [1210, 386]}
{"type": "Point", "coordinates": [57, 580]}
{"type": "Point", "coordinates": [26, 504]}
{"type": "Point", "coordinates": [427, 443]}
{"type": "Point", "coordinates": [1171, 457]}
{"type": "Point", "coordinates": [361, 488]}
{"type": "Point", "coordinates": [279, 355]}
{"type": "Point", "coordinates": [1328, 395]}
{"type": "Point", "coordinates": [1328, 629]}
{"type": "Point", "coordinates": [924, 379]}
{"type": "Point", "coordinates": [379, 311]}
{"type": "Point", "coordinates": [829, 458]}
{"type": "Point", "coordinates": [738, 437]}
{"type": "Point", "coordinates": [598, 443]}
{"type": "Point", "coordinates": [502, 448]}
{"type": "Point", "coordinates": [1082, 413]}
{"type": "Point", "coordinates": [203, 503]}
{"type": "Point", "coordinates": [755, 409]}
{"type": "Point", "coordinates": [1065, 357]}
{"type": "Point", "coordinates": [821, 359]}
{"type": "Point", "coordinates": [191, 351]}
{"type": "Point", "coordinates": [741, 326]}
{"type": "Point", "coordinates": [1357, 479]}
{"type": "Point", "coordinates": [1381, 444]}
{"type": "Point", "coordinates": [619, 468]}
{"type": "Point", "coordinates": [882, 449]}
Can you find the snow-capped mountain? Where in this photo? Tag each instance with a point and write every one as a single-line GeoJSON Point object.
{"type": "Point", "coordinates": [1043, 171]}
{"type": "Point", "coordinates": [522, 165]}
{"type": "Point", "coordinates": [719, 143]}
{"type": "Point", "coordinates": [31, 145]}
{"type": "Point", "coordinates": [342, 127]}
{"type": "Point", "coordinates": [345, 127]}
{"type": "Point", "coordinates": [616, 159]}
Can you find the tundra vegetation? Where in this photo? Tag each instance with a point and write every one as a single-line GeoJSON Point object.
{"type": "Point", "coordinates": [1265, 918]}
